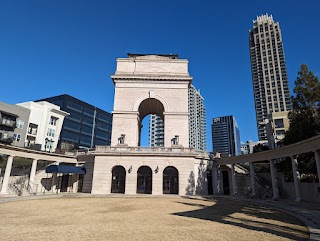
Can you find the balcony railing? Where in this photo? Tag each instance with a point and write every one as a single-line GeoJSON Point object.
{"type": "Point", "coordinates": [32, 132]}
{"type": "Point", "coordinates": [142, 150]}
{"type": "Point", "coordinates": [7, 122]}
{"type": "Point", "coordinates": [7, 140]}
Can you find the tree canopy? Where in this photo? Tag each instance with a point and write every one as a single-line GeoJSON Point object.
{"type": "Point", "coordinates": [305, 116]}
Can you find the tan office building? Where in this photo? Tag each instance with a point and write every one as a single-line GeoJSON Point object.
{"type": "Point", "coordinates": [269, 73]}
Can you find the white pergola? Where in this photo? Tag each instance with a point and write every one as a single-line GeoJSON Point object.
{"type": "Point", "coordinates": [292, 151]}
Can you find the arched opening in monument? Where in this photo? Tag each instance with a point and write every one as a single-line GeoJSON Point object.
{"type": "Point", "coordinates": [170, 180]}
{"type": "Point", "coordinates": [118, 179]}
{"type": "Point", "coordinates": [144, 180]}
{"type": "Point", "coordinates": [151, 123]}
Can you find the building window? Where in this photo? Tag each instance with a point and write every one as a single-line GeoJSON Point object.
{"type": "Point", "coordinates": [48, 145]}
{"type": "Point", "coordinates": [278, 123]}
{"type": "Point", "coordinates": [53, 120]}
{"type": "Point", "coordinates": [280, 134]}
{"type": "Point", "coordinates": [16, 137]}
{"type": "Point", "coordinates": [50, 132]}
{"type": "Point", "coordinates": [20, 124]}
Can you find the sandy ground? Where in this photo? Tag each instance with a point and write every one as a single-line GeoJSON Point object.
{"type": "Point", "coordinates": [71, 218]}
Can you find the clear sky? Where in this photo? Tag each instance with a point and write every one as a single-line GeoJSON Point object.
{"type": "Point", "coordinates": [49, 48]}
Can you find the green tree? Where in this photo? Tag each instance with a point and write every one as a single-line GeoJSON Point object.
{"type": "Point", "coordinates": [304, 121]}
{"type": "Point", "coordinates": [305, 116]}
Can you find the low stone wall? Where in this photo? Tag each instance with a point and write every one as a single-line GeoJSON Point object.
{"type": "Point", "coordinates": [310, 191]}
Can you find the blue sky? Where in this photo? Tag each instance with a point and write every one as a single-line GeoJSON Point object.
{"type": "Point", "coordinates": [49, 48]}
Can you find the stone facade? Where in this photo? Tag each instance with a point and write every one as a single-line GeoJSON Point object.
{"type": "Point", "coordinates": [191, 172]}
{"type": "Point", "coordinates": [151, 84]}
{"type": "Point", "coordinates": [148, 84]}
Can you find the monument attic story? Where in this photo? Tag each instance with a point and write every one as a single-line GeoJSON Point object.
{"type": "Point", "coordinates": [170, 56]}
{"type": "Point", "coordinates": [152, 67]}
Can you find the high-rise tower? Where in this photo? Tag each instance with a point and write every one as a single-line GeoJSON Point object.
{"type": "Point", "coordinates": [156, 131]}
{"type": "Point", "coordinates": [225, 136]}
{"type": "Point", "coordinates": [269, 73]}
{"type": "Point", "coordinates": [197, 120]}
{"type": "Point", "coordinates": [197, 123]}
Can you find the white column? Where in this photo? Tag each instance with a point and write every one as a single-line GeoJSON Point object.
{"type": "Point", "coordinates": [253, 179]}
{"type": "Point", "coordinates": [215, 179]}
{"type": "Point", "coordinates": [317, 155]}
{"type": "Point", "coordinates": [33, 170]}
{"type": "Point", "coordinates": [75, 178]}
{"type": "Point", "coordinates": [54, 182]}
{"type": "Point", "coordinates": [234, 180]}
{"type": "Point", "coordinates": [296, 178]}
{"type": "Point", "coordinates": [5, 183]}
{"type": "Point", "coordinates": [274, 181]}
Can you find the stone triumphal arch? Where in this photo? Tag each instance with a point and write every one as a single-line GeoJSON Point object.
{"type": "Point", "coordinates": [151, 84]}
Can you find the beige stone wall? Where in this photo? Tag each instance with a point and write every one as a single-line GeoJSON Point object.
{"type": "Point", "coordinates": [152, 65]}
{"type": "Point", "coordinates": [192, 173]}
{"type": "Point", "coordinates": [87, 179]}
{"type": "Point", "coordinates": [126, 115]}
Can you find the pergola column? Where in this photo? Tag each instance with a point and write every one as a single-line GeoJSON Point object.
{"type": "Point", "coordinates": [317, 155]}
{"type": "Point", "coordinates": [75, 178]}
{"type": "Point", "coordinates": [234, 180]}
{"type": "Point", "coordinates": [54, 182]}
{"type": "Point", "coordinates": [215, 180]}
{"type": "Point", "coordinates": [75, 181]}
{"type": "Point", "coordinates": [274, 181]}
{"type": "Point", "coordinates": [5, 183]}
{"type": "Point", "coordinates": [296, 178]}
{"type": "Point", "coordinates": [253, 179]}
{"type": "Point", "coordinates": [33, 170]}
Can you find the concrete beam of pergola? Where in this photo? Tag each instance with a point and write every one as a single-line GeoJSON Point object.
{"type": "Point", "coordinates": [309, 145]}
{"type": "Point", "coordinates": [33, 154]}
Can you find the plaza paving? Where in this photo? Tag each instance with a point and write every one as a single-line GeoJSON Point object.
{"type": "Point", "coordinates": [145, 218]}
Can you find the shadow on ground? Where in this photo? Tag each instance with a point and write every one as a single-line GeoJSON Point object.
{"type": "Point", "coordinates": [248, 216]}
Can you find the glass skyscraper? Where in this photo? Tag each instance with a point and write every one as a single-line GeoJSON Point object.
{"type": "Point", "coordinates": [225, 136]}
{"type": "Point", "coordinates": [86, 126]}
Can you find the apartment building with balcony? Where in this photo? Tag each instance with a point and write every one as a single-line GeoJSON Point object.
{"type": "Point", "coordinates": [197, 123]}
{"type": "Point", "coordinates": [156, 131]}
{"type": "Point", "coordinates": [13, 124]}
{"type": "Point", "coordinates": [44, 126]}
{"type": "Point", "coordinates": [197, 120]}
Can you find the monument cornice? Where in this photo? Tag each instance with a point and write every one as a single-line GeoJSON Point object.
{"type": "Point", "coordinates": [139, 78]}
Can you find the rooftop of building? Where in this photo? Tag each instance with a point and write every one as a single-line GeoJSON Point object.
{"type": "Point", "coordinates": [264, 18]}
{"type": "Point", "coordinates": [170, 56]}
{"type": "Point", "coordinates": [69, 97]}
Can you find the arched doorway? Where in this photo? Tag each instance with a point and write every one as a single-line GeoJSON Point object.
{"type": "Point", "coordinates": [144, 180]}
{"type": "Point", "coordinates": [118, 179]}
{"type": "Point", "coordinates": [170, 180]}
